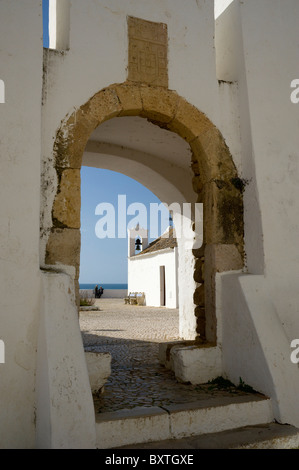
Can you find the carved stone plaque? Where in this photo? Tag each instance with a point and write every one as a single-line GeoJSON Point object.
{"type": "Point", "coordinates": [148, 45]}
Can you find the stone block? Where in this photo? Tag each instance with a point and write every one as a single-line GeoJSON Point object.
{"type": "Point", "coordinates": [199, 296]}
{"type": "Point", "coordinates": [148, 51]}
{"type": "Point", "coordinates": [218, 414]}
{"type": "Point", "coordinates": [158, 104]}
{"type": "Point", "coordinates": [72, 138]}
{"type": "Point", "coordinates": [99, 369]}
{"type": "Point", "coordinates": [165, 356]}
{"type": "Point", "coordinates": [213, 156]}
{"type": "Point", "coordinates": [196, 364]}
{"type": "Point", "coordinates": [223, 257]}
{"type": "Point", "coordinates": [130, 99]}
{"type": "Point", "coordinates": [189, 123]}
{"type": "Point", "coordinates": [63, 248]}
{"type": "Point", "coordinates": [223, 213]}
{"type": "Point", "coordinates": [66, 208]}
{"type": "Point", "coordinates": [104, 105]}
{"type": "Point", "coordinates": [126, 427]}
{"type": "Point", "coordinates": [199, 270]}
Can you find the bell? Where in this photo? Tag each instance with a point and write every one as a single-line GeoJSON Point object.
{"type": "Point", "coordinates": [137, 245]}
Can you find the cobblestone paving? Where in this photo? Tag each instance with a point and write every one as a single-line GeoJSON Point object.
{"type": "Point", "coordinates": [132, 335]}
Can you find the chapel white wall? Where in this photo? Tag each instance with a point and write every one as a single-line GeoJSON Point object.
{"type": "Point", "coordinates": [144, 276]}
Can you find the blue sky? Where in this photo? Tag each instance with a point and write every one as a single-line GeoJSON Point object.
{"type": "Point", "coordinates": [103, 260]}
{"type": "Point", "coordinates": [46, 22]}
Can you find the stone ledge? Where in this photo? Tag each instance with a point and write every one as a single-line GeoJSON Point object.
{"type": "Point", "coordinates": [191, 363]}
{"type": "Point", "coordinates": [263, 436]}
{"type": "Point", "coordinates": [145, 425]}
{"type": "Point", "coordinates": [138, 425]}
{"type": "Point", "coordinates": [99, 369]}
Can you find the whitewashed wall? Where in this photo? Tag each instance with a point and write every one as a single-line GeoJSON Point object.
{"type": "Point", "coordinates": [257, 120]}
{"type": "Point", "coordinates": [260, 312]}
{"type": "Point", "coordinates": [144, 276]}
{"type": "Point", "coordinates": [20, 145]}
{"type": "Point", "coordinates": [98, 56]}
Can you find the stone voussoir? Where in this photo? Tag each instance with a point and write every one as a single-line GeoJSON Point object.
{"type": "Point", "coordinates": [130, 98]}
{"type": "Point", "coordinates": [213, 157]}
{"type": "Point", "coordinates": [159, 104]}
{"type": "Point", "coordinates": [105, 105]}
{"type": "Point", "coordinates": [66, 208]}
{"type": "Point", "coordinates": [189, 122]}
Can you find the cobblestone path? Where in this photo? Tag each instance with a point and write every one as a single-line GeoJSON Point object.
{"type": "Point", "coordinates": [132, 335]}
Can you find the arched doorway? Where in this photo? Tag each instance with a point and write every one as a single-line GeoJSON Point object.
{"type": "Point", "coordinates": [215, 182]}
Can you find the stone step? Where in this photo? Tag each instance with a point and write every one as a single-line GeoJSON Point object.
{"type": "Point", "coordinates": [262, 436]}
{"type": "Point", "coordinates": [148, 424]}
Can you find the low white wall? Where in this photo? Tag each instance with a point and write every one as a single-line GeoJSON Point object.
{"type": "Point", "coordinates": [255, 345]}
{"type": "Point", "coordinates": [20, 135]}
{"type": "Point", "coordinates": [109, 293]}
{"type": "Point", "coordinates": [64, 404]}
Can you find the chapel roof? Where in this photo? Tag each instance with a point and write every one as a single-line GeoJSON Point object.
{"type": "Point", "coordinates": [167, 240]}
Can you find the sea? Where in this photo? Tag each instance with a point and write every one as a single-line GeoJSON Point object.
{"type": "Point", "coordinates": [105, 286]}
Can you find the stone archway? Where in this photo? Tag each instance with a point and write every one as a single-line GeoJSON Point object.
{"type": "Point", "coordinates": [215, 181]}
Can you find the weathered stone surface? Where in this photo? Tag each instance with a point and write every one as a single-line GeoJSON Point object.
{"type": "Point", "coordinates": [189, 123]}
{"type": "Point", "coordinates": [200, 313]}
{"type": "Point", "coordinates": [158, 104]}
{"type": "Point", "coordinates": [213, 157]}
{"type": "Point", "coordinates": [224, 213]}
{"type": "Point", "coordinates": [72, 138]}
{"type": "Point", "coordinates": [66, 209]}
{"type": "Point", "coordinates": [215, 179]}
{"type": "Point", "coordinates": [201, 327]}
{"type": "Point", "coordinates": [104, 105]}
{"type": "Point", "coordinates": [63, 247]}
{"type": "Point", "coordinates": [199, 296]}
{"type": "Point", "coordinates": [224, 257]}
{"type": "Point", "coordinates": [148, 46]}
{"type": "Point", "coordinates": [197, 184]}
{"type": "Point", "coordinates": [130, 99]}
{"type": "Point", "coordinates": [199, 271]}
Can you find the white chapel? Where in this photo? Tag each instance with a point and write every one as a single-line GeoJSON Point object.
{"type": "Point", "coordinates": [153, 267]}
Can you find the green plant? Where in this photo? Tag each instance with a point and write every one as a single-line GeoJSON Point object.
{"type": "Point", "coordinates": [245, 388]}
{"type": "Point", "coordinates": [86, 300]}
{"type": "Point", "coordinates": [220, 383]}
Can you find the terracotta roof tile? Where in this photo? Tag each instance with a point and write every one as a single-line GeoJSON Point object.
{"type": "Point", "coordinates": [167, 240]}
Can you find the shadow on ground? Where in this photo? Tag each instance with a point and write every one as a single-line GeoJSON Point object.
{"type": "Point", "coordinates": [138, 379]}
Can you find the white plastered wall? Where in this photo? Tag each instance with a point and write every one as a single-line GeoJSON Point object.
{"type": "Point", "coordinates": [144, 276]}
{"type": "Point", "coordinates": [257, 120]}
{"type": "Point", "coordinates": [20, 137]}
{"type": "Point", "coordinates": [259, 311]}
{"type": "Point", "coordinates": [98, 32]}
